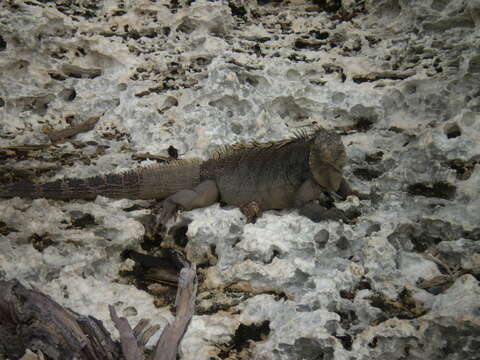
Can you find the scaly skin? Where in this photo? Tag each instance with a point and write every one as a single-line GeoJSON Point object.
{"type": "Point", "coordinates": [276, 175]}
{"type": "Point", "coordinates": [153, 182]}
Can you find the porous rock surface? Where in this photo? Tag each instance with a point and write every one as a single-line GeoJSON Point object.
{"type": "Point", "coordinates": [399, 79]}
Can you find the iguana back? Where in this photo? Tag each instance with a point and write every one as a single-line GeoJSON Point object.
{"type": "Point", "coordinates": [268, 173]}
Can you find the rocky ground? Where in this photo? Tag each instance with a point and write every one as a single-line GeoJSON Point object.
{"type": "Point", "coordinates": [398, 79]}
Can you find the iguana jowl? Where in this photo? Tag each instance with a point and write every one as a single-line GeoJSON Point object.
{"type": "Point", "coordinates": [276, 175]}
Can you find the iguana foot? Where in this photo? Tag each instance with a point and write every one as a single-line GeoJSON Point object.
{"type": "Point", "coordinates": [204, 194]}
{"type": "Point", "coordinates": [363, 196]}
{"type": "Point", "coordinates": [317, 213]}
{"type": "Point", "coordinates": [346, 190]}
{"type": "Point", "coordinates": [166, 211]}
{"type": "Point", "coordinates": [161, 213]}
{"type": "Point", "coordinates": [252, 211]}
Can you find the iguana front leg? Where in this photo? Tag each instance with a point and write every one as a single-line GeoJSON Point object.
{"type": "Point", "coordinates": [308, 207]}
{"type": "Point", "coordinates": [346, 190]}
{"type": "Point", "coordinates": [316, 212]}
{"type": "Point", "coordinates": [309, 191]}
{"type": "Point", "coordinates": [204, 194]}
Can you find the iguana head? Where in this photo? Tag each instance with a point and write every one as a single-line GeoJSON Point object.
{"type": "Point", "coordinates": [327, 159]}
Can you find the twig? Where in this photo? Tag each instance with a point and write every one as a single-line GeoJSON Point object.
{"type": "Point", "coordinates": [436, 259]}
{"type": "Point", "coordinates": [57, 135]}
{"type": "Point", "coordinates": [24, 147]}
{"type": "Point", "coordinates": [128, 341]}
{"type": "Point", "coordinates": [147, 155]}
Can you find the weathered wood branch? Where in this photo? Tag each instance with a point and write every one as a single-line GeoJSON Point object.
{"type": "Point", "coordinates": [167, 345]}
{"type": "Point", "coordinates": [130, 348]}
{"type": "Point", "coordinates": [61, 134]}
{"type": "Point", "coordinates": [32, 320]}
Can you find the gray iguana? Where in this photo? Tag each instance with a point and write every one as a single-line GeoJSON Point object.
{"type": "Point", "coordinates": [284, 174]}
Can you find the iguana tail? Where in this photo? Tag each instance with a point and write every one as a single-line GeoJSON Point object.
{"type": "Point", "coordinates": [157, 181]}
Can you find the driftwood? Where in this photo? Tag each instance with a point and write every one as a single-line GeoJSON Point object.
{"type": "Point", "coordinates": [30, 320]}
{"type": "Point", "coordinates": [172, 155]}
{"type": "Point", "coordinates": [61, 134]}
{"type": "Point", "coordinates": [24, 148]}
{"type": "Point", "coordinates": [163, 270]}
{"type": "Point", "coordinates": [167, 345]}
{"type": "Point", "coordinates": [149, 156]}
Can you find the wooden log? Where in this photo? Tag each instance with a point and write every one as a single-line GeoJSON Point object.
{"type": "Point", "coordinates": [30, 320]}
{"type": "Point", "coordinates": [61, 134]}
{"type": "Point", "coordinates": [167, 346]}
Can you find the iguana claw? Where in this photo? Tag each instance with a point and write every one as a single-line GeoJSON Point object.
{"type": "Point", "coordinates": [161, 213]}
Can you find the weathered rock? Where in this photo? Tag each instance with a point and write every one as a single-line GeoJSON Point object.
{"type": "Point", "coordinates": [398, 79]}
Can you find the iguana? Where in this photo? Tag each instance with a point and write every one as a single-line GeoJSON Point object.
{"type": "Point", "coordinates": [291, 173]}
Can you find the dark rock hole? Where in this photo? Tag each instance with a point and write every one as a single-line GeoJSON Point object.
{"type": "Point", "coordinates": [342, 243]}
{"type": "Point", "coordinates": [364, 284]}
{"type": "Point", "coordinates": [423, 243]}
{"type": "Point", "coordinates": [440, 190]}
{"type": "Point", "coordinates": [275, 254]}
{"type": "Point", "coordinates": [319, 35]}
{"type": "Point", "coordinates": [68, 94]}
{"type": "Point", "coordinates": [347, 294]}
{"type": "Point", "coordinates": [179, 233]}
{"type": "Point", "coordinates": [374, 157]}
{"type": "Point", "coordinates": [152, 241]}
{"type": "Point", "coordinates": [306, 44]}
{"type": "Point", "coordinates": [363, 124]}
{"type": "Point", "coordinates": [80, 219]}
{"type": "Point", "coordinates": [253, 332]}
{"type": "Point", "coordinates": [329, 6]}
{"type": "Point", "coordinates": [3, 44]}
{"type": "Point", "coordinates": [187, 26]}
{"type": "Point", "coordinates": [5, 229]}
{"type": "Point", "coordinates": [57, 76]}
{"type": "Point", "coordinates": [347, 319]}
{"type": "Point", "coordinates": [265, 2]}
{"type": "Point", "coordinates": [237, 10]}
{"type": "Point", "coordinates": [373, 343]}
{"type": "Point", "coordinates": [40, 242]}
{"type": "Point", "coordinates": [133, 208]}
{"type": "Point", "coordinates": [366, 173]}
{"type": "Point", "coordinates": [346, 341]}
{"type": "Point", "coordinates": [213, 250]}
{"type": "Point", "coordinates": [463, 168]}
{"type": "Point", "coordinates": [452, 130]}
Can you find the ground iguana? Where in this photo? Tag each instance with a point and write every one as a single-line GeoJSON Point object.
{"type": "Point", "coordinates": [276, 175]}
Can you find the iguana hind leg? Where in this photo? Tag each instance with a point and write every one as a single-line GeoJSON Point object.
{"type": "Point", "coordinates": [204, 194]}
